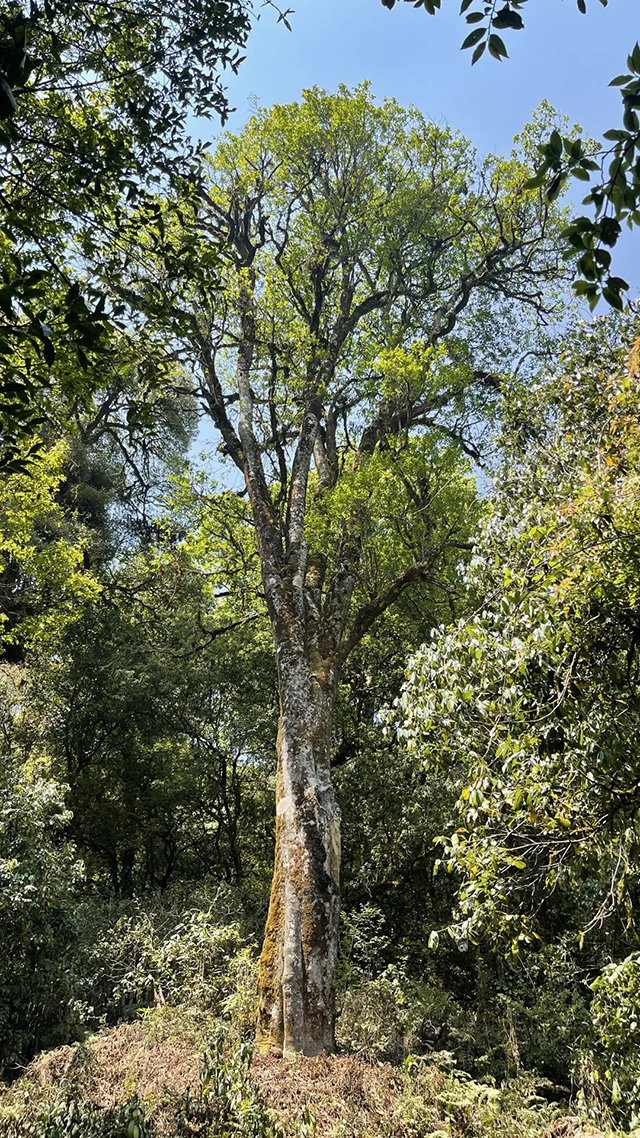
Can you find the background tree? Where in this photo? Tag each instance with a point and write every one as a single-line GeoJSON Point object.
{"type": "Point", "coordinates": [94, 100]}
{"type": "Point", "coordinates": [145, 709]}
{"type": "Point", "coordinates": [531, 705]}
{"type": "Point", "coordinates": [43, 581]}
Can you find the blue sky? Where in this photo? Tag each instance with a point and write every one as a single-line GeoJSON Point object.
{"type": "Point", "coordinates": [560, 56]}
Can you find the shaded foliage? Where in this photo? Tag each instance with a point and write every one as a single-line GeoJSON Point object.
{"type": "Point", "coordinates": [94, 99]}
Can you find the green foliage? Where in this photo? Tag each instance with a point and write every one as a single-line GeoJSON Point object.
{"type": "Point", "coordinates": [475, 12]}
{"type": "Point", "coordinates": [134, 657]}
{"type": "Point", "coordinates": [354, 291]}
{"type": "Point", "coordinates": [94, 100]}
{"type": "Point", "coordinates": [388, 1016]}
{"type": "Point", "coordinates": [146, 706]}
{"type": "Point", "coordinates": [615, 199]}
{"type": "Point", "coordinates": [183, 956]}
{"type": "Point", "coordinates": [39, 874]}
{"type": "Point", "coordinates": [43, 579]}
{"type": "Point", "coordinates": [610, 1067]}
{"type": "Point", "coordinates": [227, 1101]}
{"type": "Point", "coordinates": [135, 617]}
{"type": "Point", "coordinates": [528, 691]}
{"type": "Point", "coordinates": [67, 1118]}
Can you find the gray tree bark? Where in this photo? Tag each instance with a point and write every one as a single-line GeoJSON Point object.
{"type": "Point", "coordinates": [301, 938]}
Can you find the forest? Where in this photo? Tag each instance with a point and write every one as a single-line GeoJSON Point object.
{"type": "Point", "coordinates": [319, 596]}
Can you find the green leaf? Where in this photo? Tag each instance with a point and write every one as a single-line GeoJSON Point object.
{"type": "Point", "coordinates": [537, 181]}
{"type": "Point", "coordinates": [555, 187]}
{"type": "Point", "coordinates": [497, 48]}
{"type": "Point", "coordinates": [474, 37]}
{"type": "Point", "coordinates": [583, 288]}
{"type": "Point", "coordinates": [555, 143]}
{"type": "Point", "coordinates": [613, 298]}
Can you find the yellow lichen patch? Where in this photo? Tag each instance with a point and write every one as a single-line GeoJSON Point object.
{"type": "Point", "coordinates": [269, 986]}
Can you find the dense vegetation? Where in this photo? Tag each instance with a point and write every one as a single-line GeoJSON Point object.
{"type": "Point", "coordinates": [394, 606]}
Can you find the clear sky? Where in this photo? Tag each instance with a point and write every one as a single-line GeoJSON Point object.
{"type": "Point", "coordinates": [560, 56]}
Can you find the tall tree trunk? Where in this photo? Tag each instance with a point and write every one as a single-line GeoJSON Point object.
{"type": "Point", "coordinates": [295, 986]}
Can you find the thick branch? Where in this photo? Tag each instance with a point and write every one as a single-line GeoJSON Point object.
{"type": "Point", "coordinates": [369, 612]}
{"type": "Point", "coordinates": [445, 318]}
{"type": "Point", "coordinates": [265, 520]}
{"type": "Point", "coordinates": [214, 398]}
{"type": "Point", "coordinates": [297, 503]}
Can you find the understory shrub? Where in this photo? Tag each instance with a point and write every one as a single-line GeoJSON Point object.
{"type": "Point", "coordinates": [174, 956]}
{"type": "Point", "coordinates": [509, 1016]}
{"type": "Point", "coordinates": [609, 1066]}
{"type": "Point", "coordinates": [389, 1016]}
{"type": "Point", "coordinates": [68, 1118]}
{"type": "Point", "coordinates": [39, 875]}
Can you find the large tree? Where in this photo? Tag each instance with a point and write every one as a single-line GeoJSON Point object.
{"type": "Point", "coordinates": [347, 345]}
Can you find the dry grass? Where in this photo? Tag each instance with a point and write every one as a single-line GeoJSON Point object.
{"type": "Point", "coordinates": [346, 1095]}
{"type": "Point", "coordinates": [153, 1058]}
{"type": "Point", "coordinates": [112, 1066]}
{"type": "Point", "coordinates": [158, 1058]}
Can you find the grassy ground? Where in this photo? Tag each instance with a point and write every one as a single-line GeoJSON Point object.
{"type": "Point", "coordinates": [150, 1074]}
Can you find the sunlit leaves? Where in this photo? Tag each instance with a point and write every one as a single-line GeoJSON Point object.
{"type": "Point", "coordinates": [532, 705]}
{"type": "Point", "coordinates": [93, 107]}
{"type": "Point", "coordinates": [42, 574]}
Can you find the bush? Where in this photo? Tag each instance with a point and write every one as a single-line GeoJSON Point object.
{"type": "Point", "coordinates": [383, 1013]}
{"type": "Point", "coordinates": [69, 1118]}
{"type": "Point", "coordinates": [39, 932]}
{"type": "Point", "coordinates": [227, 1100]}
{"type": "Point", "coordinates": [389, 1016]}
{"type": "Point", "coordinates": [176, 957]}
{"type": "Point", "coordinates": [609, 1068]}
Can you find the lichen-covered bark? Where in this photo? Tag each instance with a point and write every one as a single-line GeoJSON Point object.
{"type": "Point", "coordinates": [301, 938]}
